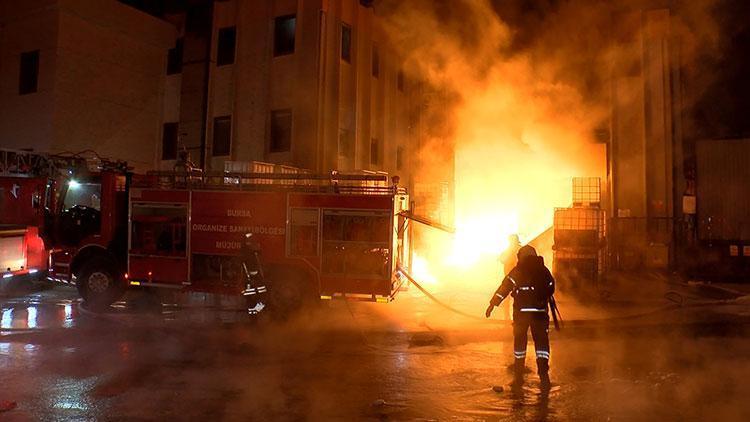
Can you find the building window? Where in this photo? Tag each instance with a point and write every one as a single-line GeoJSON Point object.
{"type": "Point", "coordinates": [400, 80]}
{"type": "Point", "coordinates": [226, 47]}
{"type": "Point", "coordinates": [281, 131]}
{"type": "Point", "coordinates": [169, 141]}
{"type": "Point", "coordinates": [174, 58]}
{"type": "Point", "coordinates": [283, 35]}
{"type": "Point", "coordinates": [29, 72]}
{"type": "Point", "coordinates": [375, 61]}
{"type": "Point", "coordinates": [346, 43]}
{"type": "Point", "coordinates": [399, 158]}
{"type": "Point", "coordinates": [374, 151]}
{"type": "Point", "coordinates": [222, 135]}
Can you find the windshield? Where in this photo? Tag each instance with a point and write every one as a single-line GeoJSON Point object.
{"type": "Point", "coordinates": [83, 194]}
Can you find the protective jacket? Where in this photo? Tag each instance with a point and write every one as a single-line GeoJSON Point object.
{"type": "Point", "coordinates": [531, 285]}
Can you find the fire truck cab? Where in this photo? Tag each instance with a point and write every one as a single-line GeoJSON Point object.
{"type": "Point", "coordinates": [90, 224]}
{"type": "Point", "coordinates": [321, 236]}
{"type": "Point", "coordinates": [54, 208]}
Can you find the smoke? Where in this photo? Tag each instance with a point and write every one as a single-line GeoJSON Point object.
{"type": "Point", "coordinates": [519, 96]}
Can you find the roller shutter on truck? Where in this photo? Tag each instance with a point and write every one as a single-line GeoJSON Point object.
{"type": "Point", "coordinates": [12, 251]}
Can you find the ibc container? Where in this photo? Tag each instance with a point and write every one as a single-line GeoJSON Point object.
{"type": "Point", "coordinates": [579, 228]}
{"type": "Point", "coordinates": [587, 192]}
{"type": "Point", "coordinates": [572, 268]}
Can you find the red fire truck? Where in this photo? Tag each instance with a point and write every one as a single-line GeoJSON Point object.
{"type": "Point", "coordinates": [24, 201]}
{"type": "Point", "coordinates": [53, 202]}
{"type": "Point", "coordinates": [321, 236]}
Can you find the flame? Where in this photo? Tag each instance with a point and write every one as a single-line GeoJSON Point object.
{"type": "Point", "coordinates": [481, 236]}
{"type": "Point", "coordinates": [515, 130]}
{"type": "Point", "coordinates": [421, 270]}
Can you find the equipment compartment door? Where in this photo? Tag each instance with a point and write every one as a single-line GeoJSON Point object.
{"type": "Point", "coordinates": [356, 252]}
{"type": "Point", "coordinates": [158, 242]}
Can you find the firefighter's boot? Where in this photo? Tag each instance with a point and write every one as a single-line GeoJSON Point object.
{"type": "Point", "coordinates": [519, 367]}
{"type": "Point", "coordinates": [543, 369]}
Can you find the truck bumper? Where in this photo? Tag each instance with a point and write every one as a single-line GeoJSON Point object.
{"type": "Point", "coordinates": [20, 278]}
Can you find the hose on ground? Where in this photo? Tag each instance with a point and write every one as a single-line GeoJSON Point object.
{"type": "Point", "coordinates": [677, 299]}
{"type": "Point", "coordinates": [443, 304]}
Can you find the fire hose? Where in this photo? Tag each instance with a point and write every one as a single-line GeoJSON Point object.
{"type": "Point", "coordinates": [441, 303]}
{"type": "Point", "coordinates": [556, 312]}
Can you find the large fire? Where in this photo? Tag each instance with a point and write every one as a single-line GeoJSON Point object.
{"type": "Point", "coordinates": [514, 158]}
{"type": "Point", "coordinates": [517, 136]}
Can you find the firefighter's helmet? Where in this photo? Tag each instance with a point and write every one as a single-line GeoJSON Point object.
{"type": "Point", "coordinates": [526, 251]}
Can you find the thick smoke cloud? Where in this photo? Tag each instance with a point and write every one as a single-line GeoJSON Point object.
{"type": "Point", "coordinates": [519, 94]}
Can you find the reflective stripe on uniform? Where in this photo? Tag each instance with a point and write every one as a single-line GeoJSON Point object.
{"type": "Point", "coordinates": [254, 291]}
{"type": "Point", "coordinates": [511, 280]}
{"type": "Point", "coordinates": [519, 354]}
{"type": "Point", "coordinates": [500, 296]}
{"type": "Point", "coordinates": [533, 310]}
{"type": "Point", "coordinates": [542, 354]}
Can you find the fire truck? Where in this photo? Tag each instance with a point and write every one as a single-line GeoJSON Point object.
{"type": "Point", "coordinates": [42, 207]}
{"type": "Point", "coordinates": [25, 200]}
{"type": "Point", "coordinates": [321, 236]}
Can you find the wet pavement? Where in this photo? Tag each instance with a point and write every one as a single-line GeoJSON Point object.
{"type": "Point", "coordinates": [407, 360]}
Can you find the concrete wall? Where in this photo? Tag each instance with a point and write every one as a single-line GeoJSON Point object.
{"type": "Point", "coordinates": [101, 73]}
{"type": "Point", "coordinates": [26, 121]}
{"type": "Point", "coordinates": [658, 113]}
{"type": "Point", "coordinates": [110, 80]}
{"type": "Point", "coordinates": [644, 141]}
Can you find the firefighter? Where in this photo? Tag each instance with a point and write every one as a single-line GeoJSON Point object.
{"type": "Point", "coordinates": [531, 285]}
{"type": "Point", "coordinates": [255, 291]}
{"type": "Point", "coordinates": [507, 261]}
{"type": "Point", "coordinates": [183, 163]}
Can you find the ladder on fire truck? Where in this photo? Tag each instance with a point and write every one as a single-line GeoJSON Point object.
{"type": "Point", "coordinates": [24, 163]}
{"type": "Point", "coordinates": [334, 182]}
{"type": "Point", "coordinates": [20, 163]}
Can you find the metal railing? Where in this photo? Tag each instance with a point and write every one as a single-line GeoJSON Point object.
{"type": "Point", "coordinates": [304, 182]}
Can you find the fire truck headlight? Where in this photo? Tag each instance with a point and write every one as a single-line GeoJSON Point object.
{"type": "Point", "coordinates": [73, 184]}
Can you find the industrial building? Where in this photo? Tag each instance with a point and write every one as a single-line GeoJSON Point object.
{"type": "Point", "coordinates": [310, 85]}
{"type": "Point", "coordinates": [675, 151]}
{"type": "Point", "coordinates": [315, 86]}
{"type": "Point", "coordinates": [78, 75]}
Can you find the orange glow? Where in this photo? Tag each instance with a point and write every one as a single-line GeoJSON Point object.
{"type": "Point", "coordinates": [481, 235]}
{"type": "Point", "coordinates": [513, 136]}
{"type": "Point", "coordinates": [421, 270]}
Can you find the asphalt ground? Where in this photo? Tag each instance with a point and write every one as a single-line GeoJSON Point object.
{"type": "Point", "coordinates": [680, 353]}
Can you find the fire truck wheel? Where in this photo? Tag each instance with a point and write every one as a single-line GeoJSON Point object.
{"type": "Point", "coordinates": [99, 284]}
{"type": "Point", "coordinates": [289, 292]}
